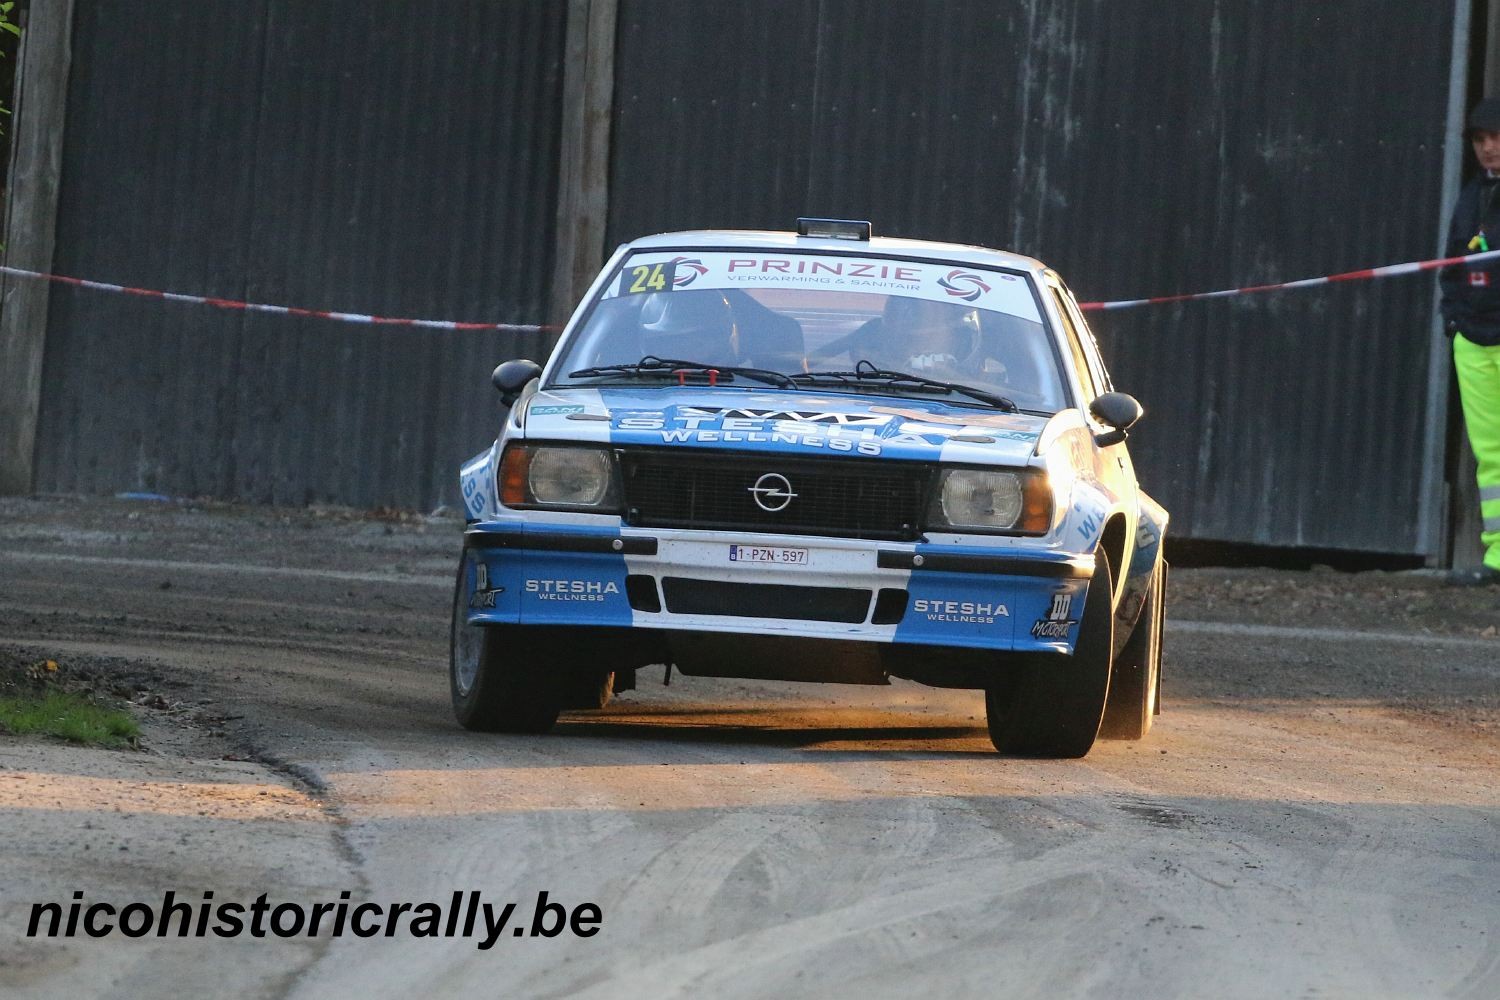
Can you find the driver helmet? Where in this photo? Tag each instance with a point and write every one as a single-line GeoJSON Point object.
{"type": "Point", "coordinates": [693, 325]}
{"type": "Point", "coordinates": [930, 335]}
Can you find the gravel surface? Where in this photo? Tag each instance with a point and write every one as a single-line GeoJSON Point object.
{"type": "Point", "coordinates": [1315, 814]}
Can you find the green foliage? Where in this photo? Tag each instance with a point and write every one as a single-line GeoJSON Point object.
{"type": "Point", "coordinates": [68, 716]}
{"type": "Point", "coordinates": [6, 24]}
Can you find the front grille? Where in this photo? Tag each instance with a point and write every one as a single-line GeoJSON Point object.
{"type": "Point", "coordinates": [841, 497]}
{"type": "Point", "coordinates": [765, 600]}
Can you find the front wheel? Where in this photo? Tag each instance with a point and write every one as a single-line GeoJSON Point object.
{"type": "Point", "coordinates": [1050, 706]}
{"type": "Point", "coordinates": [495, 675]}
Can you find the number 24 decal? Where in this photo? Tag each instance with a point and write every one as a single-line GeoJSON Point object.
{"type": "Point", "coordinates": [647, 278]}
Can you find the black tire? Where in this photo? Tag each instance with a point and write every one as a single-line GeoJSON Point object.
{"type": "Point", "coordinates": [494, 675]}
{"type": "Point", "coordinates": [1051, 706]}
{"type": "Point", "coordinates": [1136, 680]}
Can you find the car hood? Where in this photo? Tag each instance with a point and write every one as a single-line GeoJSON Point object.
{"type": "Point", "coordinates": [784, 421]}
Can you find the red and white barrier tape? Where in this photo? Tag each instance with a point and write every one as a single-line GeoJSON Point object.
{"type": "Point", "coordinates": [343, 317]}
{"type": "Point", "coordinates": [1388, 271]}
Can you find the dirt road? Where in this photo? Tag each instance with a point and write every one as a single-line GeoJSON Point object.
{"type": "Point", "coordinates": [1317, 813]}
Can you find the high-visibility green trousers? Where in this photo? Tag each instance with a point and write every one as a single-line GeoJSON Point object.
{"type": "Point", "coordinates": [1478, 371]}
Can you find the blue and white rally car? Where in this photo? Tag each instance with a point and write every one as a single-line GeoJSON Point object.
{"type": "Point", "coordinates": [816, 456]}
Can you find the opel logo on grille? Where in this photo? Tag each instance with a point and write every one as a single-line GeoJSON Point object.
{"type": "Point", "coordinates": [772, 492]}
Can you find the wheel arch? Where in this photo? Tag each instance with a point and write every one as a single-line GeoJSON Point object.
{"type": "Point", "coordinates": [1113, 540]}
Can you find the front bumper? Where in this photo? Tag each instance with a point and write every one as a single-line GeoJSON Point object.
{"type": "Point", "coordinates": [919, 593]}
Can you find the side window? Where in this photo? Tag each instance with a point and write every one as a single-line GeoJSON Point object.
{"type": "Point", "coordinates": [1075, 347]}
{"type": "Point", "coordinates": [1090, 345]}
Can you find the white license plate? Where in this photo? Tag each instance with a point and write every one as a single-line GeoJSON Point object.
{"type": "Point", "coordinates": [767, 554]}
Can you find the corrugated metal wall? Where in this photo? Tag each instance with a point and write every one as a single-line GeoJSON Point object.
{"type": "Point", "coordinates": [402, 159]}
{"type": "Point", "coordinates": [1141, 148]}
{"type": "Point", "coordinates": [365, 156]}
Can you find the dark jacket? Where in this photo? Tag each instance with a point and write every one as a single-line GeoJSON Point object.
{"type": "Point", "coordinates": [1470, 307]}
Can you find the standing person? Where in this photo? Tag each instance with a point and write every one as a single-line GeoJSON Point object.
{"type": "Point", "coordinates": [1471, 316]}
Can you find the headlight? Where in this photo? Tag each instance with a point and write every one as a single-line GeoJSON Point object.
{"type": "Point", "coordinates": [992, 500]}
{"type": "Point", "coordinates": [560, 477]}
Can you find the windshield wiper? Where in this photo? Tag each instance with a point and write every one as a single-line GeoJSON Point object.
{"type": "Point", "coordinates": [652, 365]}
{"type": "Point", "coordinates": [866, 372]}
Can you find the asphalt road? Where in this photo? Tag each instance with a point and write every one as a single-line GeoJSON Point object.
{"type": "Point", "coordinates": [1316, 814]}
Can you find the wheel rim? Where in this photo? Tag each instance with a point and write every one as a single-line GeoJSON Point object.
{"type": "Point", "coordinates": [464, 645]}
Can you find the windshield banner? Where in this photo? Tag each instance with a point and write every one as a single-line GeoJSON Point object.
{"type": "Point", "coordinates": [676, 271]}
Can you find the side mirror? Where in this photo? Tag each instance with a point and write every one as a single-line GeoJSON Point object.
{"type": "Point", "coordinates": [1117, 410]}
{"type": "Point", "coordinates": [513, 376]}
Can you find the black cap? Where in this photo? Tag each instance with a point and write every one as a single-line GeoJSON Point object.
{"type": "Point", "coordinates": [1485, 116]}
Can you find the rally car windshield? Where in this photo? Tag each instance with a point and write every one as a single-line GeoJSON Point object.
{"type": "Point", "coordinates": [796, 313]}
